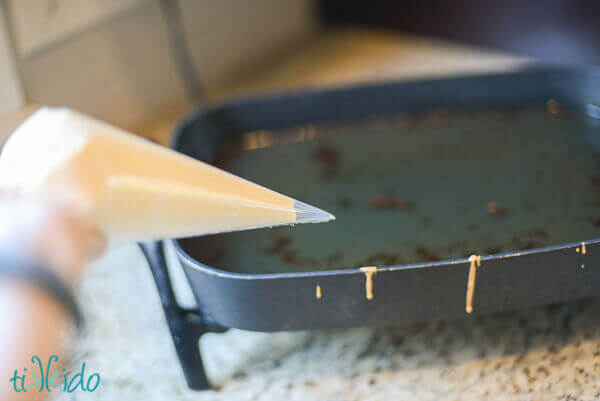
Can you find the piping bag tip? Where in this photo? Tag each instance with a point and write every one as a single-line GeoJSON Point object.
{"type": "Point", "coordinates": [150, 192]}
{"type": "Point", "coordinates": [306, 213]}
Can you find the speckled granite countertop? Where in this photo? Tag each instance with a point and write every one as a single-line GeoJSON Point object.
{"type": "Point", "coordinates": [550, 353]}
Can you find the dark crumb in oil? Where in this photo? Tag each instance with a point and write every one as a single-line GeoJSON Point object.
{"type": "Point", "coordinates": [537, 232]}
{"type": "Point", "coordinates": [278, 245]}
{"type": "Point", "coordinates": [380, 259]}
{"type": "Point", "coordinates": [495, 209]}
{"type": "Point", "coordinates": [527, 244]}
{"type": "Point", "coordinates": [502, 113]}
{"type": "Point", "coordinates": [493, 251]}
{"type": "Point", "coordinates": [326, 155]}
{"type": "Point", "coordinates": [217, 256]}
{"type": "Point", "coordinates": [427, 220]}
{"type": "Point", "coordinates": [290, 258]}
{"type": "Point", "coordinates": [595, 179]}
{"type": "Point", "coordinates": [555, 108]}
{"type": "Point", "coordinates": [345, 203]}
{"type": "Point", "coordinates": [329, 159]}
{"type": "Point", "coordinates": [334, 258]}
{"type": "Point", "coordinates": [528, 206]}
{"type": "Point", "coordinates": [532, 245]}
{"type": "Point", "coordinates": [388, 259]}
{"type": "Point", "coordinates": [441, 117]}
{"type": "Point", "coordinates": [426, 254]}
{"type": "Point", "coordinates": [407, 121]}
{"type": "Point", "coordinates": [388, 203]}
{"type": "Point", "coordinates": [595, 221]}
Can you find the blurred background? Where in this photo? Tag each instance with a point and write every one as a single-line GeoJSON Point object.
{"type": "Point", "coordinates": [142, 64]}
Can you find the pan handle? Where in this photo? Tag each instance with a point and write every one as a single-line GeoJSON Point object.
{"type": "Point", "coordinates": [186, 325]}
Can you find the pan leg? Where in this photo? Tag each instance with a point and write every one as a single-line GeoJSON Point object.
{"type": "Point", "coordinates": [186, 326]}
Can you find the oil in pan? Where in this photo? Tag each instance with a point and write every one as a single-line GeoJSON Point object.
{"type": "Point", "coordinates": [420, 187]}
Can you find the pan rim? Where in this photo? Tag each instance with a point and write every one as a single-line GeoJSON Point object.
{"type": "Point", "coordinates": [189, 261]}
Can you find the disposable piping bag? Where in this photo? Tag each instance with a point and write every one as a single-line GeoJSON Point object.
{"type": "Point", "coordinates": [131, 188]}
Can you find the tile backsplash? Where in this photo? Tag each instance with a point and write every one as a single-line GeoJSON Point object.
{"type": "Point", "coordinates": [114, 61]}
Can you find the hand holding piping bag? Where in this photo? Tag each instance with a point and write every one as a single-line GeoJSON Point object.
{"type": "Point", "coordinates": [70, 182]}
{"type": "Point", "coordinates": [32, 322]}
